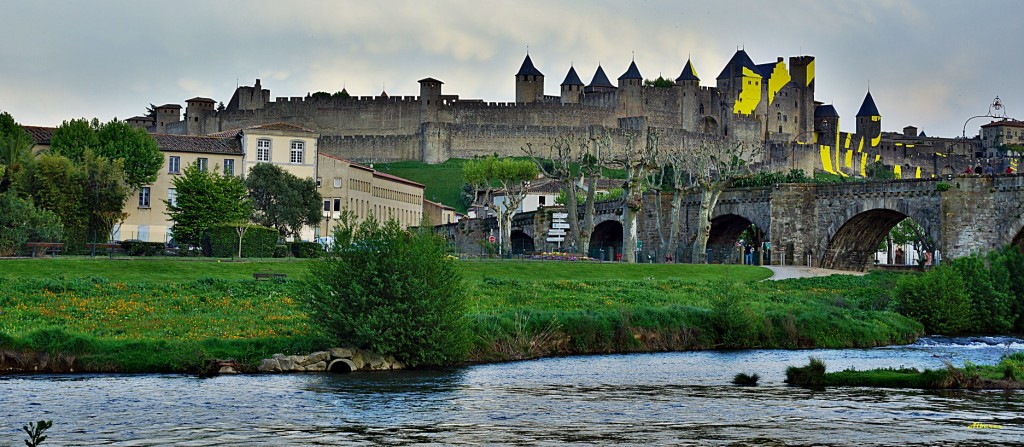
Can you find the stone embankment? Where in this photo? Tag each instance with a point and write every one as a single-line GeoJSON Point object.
{"type": "Point", "coordinates": [333, 360]}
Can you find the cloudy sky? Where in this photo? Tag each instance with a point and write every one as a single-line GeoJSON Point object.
{"type": "Point", "coordinates": [931, 64]}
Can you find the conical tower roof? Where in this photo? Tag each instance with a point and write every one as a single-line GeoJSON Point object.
{"type": "Point", "coordinates": [528, 69]}
{"type": "Point", "coordinates": [631, 73]}
{"type": "Point", "coordinates": [825, 111]}
{"type": "Point", "coordinates": [572, 78]}
{"type": "Point", "coordinates": [688, 74]}
{"type": "Point", "coordinates": [735, 67]}
{"type": "Point", "coordinates": [600, 79]}
{"type": "Point", "coordinates": [867, 108]}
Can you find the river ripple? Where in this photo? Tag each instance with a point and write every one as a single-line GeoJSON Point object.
{"type": "Point", "coordinates": [639, 399]}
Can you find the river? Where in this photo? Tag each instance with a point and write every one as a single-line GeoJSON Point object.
{"type": "Point", "coordinates": [639, 399]}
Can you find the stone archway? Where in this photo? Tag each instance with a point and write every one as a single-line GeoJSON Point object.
{"type": "Point", "coordinates": [946, 171]}
{"type": "Point", "coordinates": [606, 240]}
{"type": "Point", "coordinates": [521, 243]}
{"type": "Point", "coordinates": [725, 234]}
{"type": "Point", "coordinates": [709, 125]}
{"type": "Point", "coordinates": [853, 246]}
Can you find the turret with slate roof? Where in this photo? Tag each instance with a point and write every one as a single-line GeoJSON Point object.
{"type": "Point", "coordinates": [632, 77]}
{"type": "Point", "coordinates": [826, 121]}
{"type": "Point", "coordinates": [869, 121]}
{"type": "Point", "coordinates": [734, 68]}
{"type": "Point", "coordinates": [572, 87]}
{"type": "Point", "coordinates": [688, 76]}
{"type": "Point", "coordinates": [529, 82]}
{"type": "Point", "coordinates": [599, 83]}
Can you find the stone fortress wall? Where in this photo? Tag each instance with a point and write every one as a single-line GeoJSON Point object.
{"type": "Point", "coordinates": [771, 103]}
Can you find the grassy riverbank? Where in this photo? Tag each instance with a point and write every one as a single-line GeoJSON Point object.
{"type": "Point", "coordinates": [1007, 374]}
{"type": "Point", "coordinates": [517, 310]}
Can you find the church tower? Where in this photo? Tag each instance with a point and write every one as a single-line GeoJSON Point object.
{"type": "Point", "coordinates": [529, 83]}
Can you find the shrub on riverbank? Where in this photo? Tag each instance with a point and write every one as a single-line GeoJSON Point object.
{"type": "Point", "coordinates": [391, 291]}
{"type": "Point", "coordinates": [971, 376]}
{"type": "Point", "coordinates": [971, 294]}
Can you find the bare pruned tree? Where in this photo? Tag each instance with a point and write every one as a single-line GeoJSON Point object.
{"type": "Point", "coordinates": [573, 161]}
{"type": "Point", "coordinates": [638, 161]}
{"type": "Point", "coordinates": [712, 164]}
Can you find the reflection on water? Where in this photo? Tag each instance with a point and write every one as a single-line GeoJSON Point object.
{"type": "Point", "coordinates": [653, 399]}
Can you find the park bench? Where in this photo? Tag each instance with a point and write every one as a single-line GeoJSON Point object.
{"type": "Point", "coordinates": [268, 275]}
{"type": "Point", "coordinates": [107, 248]}
{"type": "Point", "coordinates": [42, 248]}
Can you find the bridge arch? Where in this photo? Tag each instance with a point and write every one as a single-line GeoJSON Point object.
{"type": "Point", "coordinates": [606, 240]}
{"type": "Point", "coordinates": [726, 230]}
{"type": "Point", "coordinates": [521, 242]}
{"type": "Point", "coordinates": [852, 241]}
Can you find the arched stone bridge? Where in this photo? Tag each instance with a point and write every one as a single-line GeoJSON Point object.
{"type": "Point", "coordinates": [836, 226]}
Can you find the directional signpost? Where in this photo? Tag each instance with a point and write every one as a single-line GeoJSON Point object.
{"type": "Point", "coordinates": [558, 227]}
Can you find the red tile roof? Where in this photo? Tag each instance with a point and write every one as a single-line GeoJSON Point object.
{"type": "Point", "coordinates": [203, 145]}
{"type": "Point", "coordinates": [375, 172]}
{"type": "Point", "coordinates": [1004, 123]}
{"type": "Point", "coordinates": [41, 135]}
{"type": "Point", "coordinates": [281, 126]}
{"type": "Point", "coordinates": [230, 133]}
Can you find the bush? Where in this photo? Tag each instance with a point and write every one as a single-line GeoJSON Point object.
{"type": "Point", "coordinates": [258, 242]}
{"type": "Point", "coordinates": [281, 251]}
{"type": "Point", "coordinates": [135, 247]}
{"type": "Point", "coordinates": [306, 249]}
{"type": "Point", "coordinates": [744, 379]}
{"type": "Point", "coordinates": [812, 375]}
{"type": "Point", "coordinates": [21, 222]}
{"type": "Point", "coordinates": [938, 299]}
{"type": "Point", "coordinates": [392, 292]}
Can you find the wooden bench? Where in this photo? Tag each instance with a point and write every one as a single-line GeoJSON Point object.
{"type": "Point", "coordinates": [42, 248]}
{"type": "Point", "coordinates": [109, 248]}
{"type": "Point", "coordinates": [268, 275]}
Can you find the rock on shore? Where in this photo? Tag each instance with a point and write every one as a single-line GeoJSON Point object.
{"type": "Point", "coordinates": [335, 359]}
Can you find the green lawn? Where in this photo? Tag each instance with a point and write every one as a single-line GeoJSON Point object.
{"type": "Point", "coordinates": [179, 270]}
{"type": "Point", "coordinates": [150, 270]}
{"type": "Point", "coordinates": [443, 181]}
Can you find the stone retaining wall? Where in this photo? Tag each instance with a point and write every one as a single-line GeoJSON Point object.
{"type": "Point", "coordinates": [335, 360]}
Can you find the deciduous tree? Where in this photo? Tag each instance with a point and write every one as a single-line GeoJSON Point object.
{"type": "Point", "coordinates": [713, 164]}
{"type": "Point", "coordinates": [205, 199]}
{"type": "Point", "coordinates": [15, 149]}
{"type": "Point", "coordinates": [637, 160]}
{"type": "Point", "coordinates": [72, 138]}
{"type": "Point", "coordinates": [137, 148]}
{"type": "Point", "coordinates": [283, 201]}
{"type": "Point", "coordinates": [514, 178]}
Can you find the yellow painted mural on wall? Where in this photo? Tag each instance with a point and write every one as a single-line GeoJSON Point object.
{"type": "Point", "coordinates": [810, 73]}
{"type": "Point", "coordinates": [848, 162]}
{"type": "Point", "coordinates": [778, 79]}
{"type": "Point", "coordinates": [863, 163]}
{"type": "Point", "coordinates": [877, 138]}
{"type": "Point", "coordinates": [826, 159]}
{"type": "Point", "coordinates": [750, 93]}
{"type": "Point", "coordinates": [898, 171]}
{"type": "Point", "coordinates": [917, 172]}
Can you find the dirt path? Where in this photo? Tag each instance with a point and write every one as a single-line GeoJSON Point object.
{"type": "Point", "coordinates": [804, 272]}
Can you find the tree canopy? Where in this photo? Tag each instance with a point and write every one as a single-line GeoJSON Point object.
{"type": "Point", "coordinates": [15, 149]}
{"type": "Point", "coordinates": [72, 138]}
{"type": "Point", "coordinates": [513, 175]}
{"type": "Point", "coordinates": [205, 199]}
{"type": "Point", "coordinates": [281, 200]}
{"type": "Point", "coordinates": [138, 149]}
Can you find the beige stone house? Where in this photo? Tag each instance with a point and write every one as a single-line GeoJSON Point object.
{"type": "Point", "coordinates": [365, 192]}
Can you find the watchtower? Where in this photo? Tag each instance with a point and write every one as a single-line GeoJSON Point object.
{"type": "Point", "coordinates": [529, 83]}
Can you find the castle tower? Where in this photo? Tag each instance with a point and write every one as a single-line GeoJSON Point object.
{"type": "Point", "coordinates": [688, 78]}
{"type": "Point", "coordinates": [430, 99]}
{"type": "Point", "coordinates": [740, 81]}
{"type": "Point", "coordinates": [529, 83]}
{"type": "Point", "coordinates": [599, 83]}
{"type": "Point", "coordinates": [801, 69]}
{"type": "Point", "coordinates": [572, 87]}
{"type": "Point", "coordinates": [630, 85]}
{"type": "Point", "coordinates": [826, 124]}
{"type": "Point", "coordinates": [196, 111]}
{"type": "Point", "coordinates": [869, 121]}
{"type": "Point", "coordinates": [167, 114]}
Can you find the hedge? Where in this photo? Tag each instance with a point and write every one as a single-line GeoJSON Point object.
{"type": "Point", "coordinates": [221, 241]}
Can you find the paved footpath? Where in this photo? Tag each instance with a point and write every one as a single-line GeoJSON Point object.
{"type": "Point", "coordinates": [788, 272]}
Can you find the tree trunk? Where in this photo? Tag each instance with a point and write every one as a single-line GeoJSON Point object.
{"type": "Point", "coordinates": [708, 200]}
{"type": "Point", "coordinates": [587, 229]}
{"type": "Point", "coordinates": [571, 207]}
{"type": "Point", "coordinates": [629, 234]}
{"type": "Point", "coordinates": [662, 237]}
{"type": "Point", "coordinates": [674, 224]}
{"type": "Point", "coordinates": [505, 228]}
